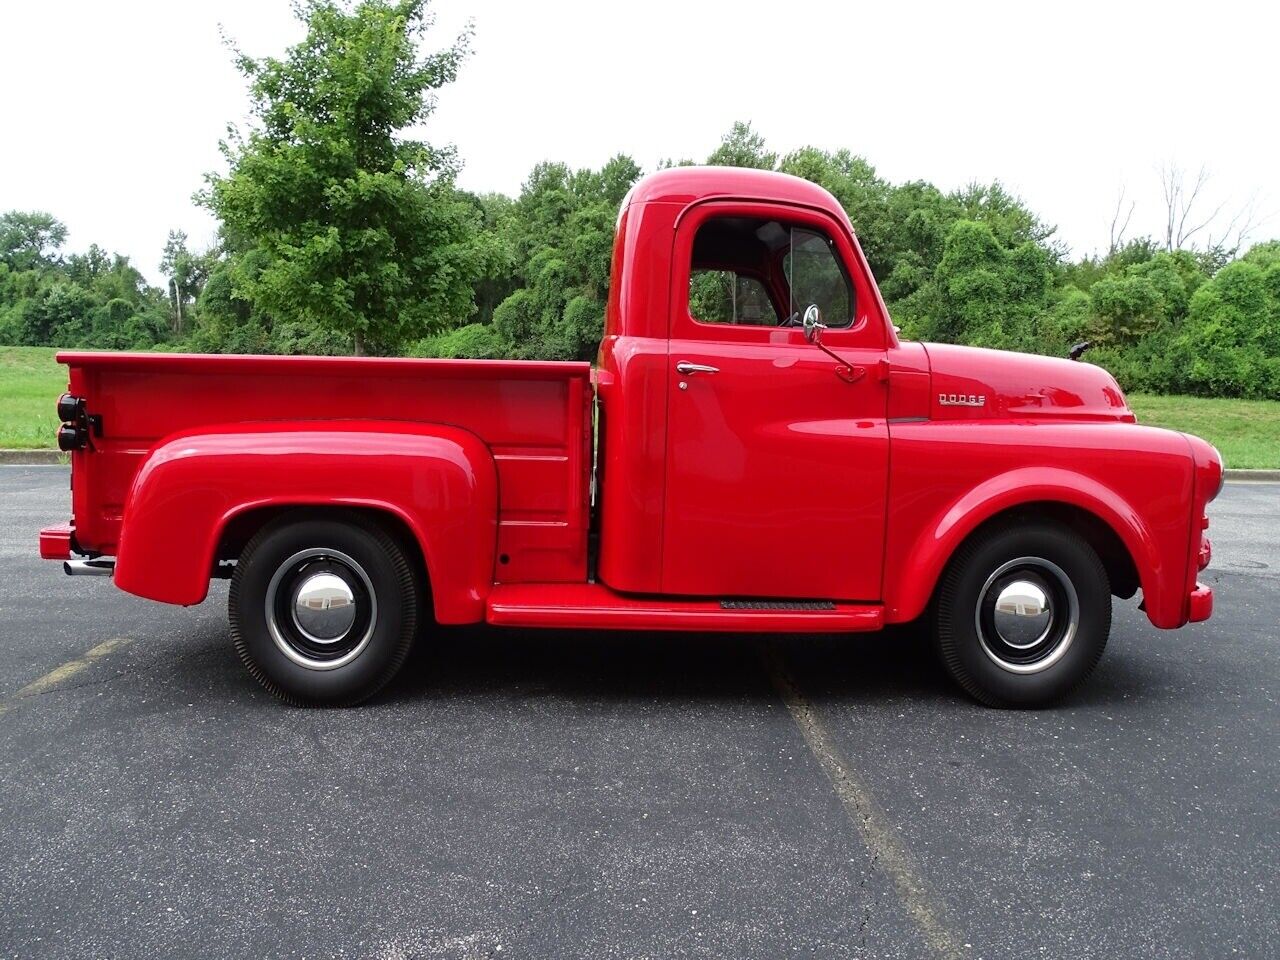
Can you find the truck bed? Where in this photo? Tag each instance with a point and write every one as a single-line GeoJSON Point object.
{"type": "Point", "coordinates": [535, 417]}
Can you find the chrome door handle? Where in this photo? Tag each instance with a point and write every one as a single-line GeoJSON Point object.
{"type": "Point", "coordinates": [684, 367]}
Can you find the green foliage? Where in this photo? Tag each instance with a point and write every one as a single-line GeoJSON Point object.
{"type": "Point", "coordinates": [92, 299]}
{"type": "Point", "coordinates": [187, 274]}
{"type": "Point", "coordinates": [30, 239]}
{"type": "Point", "coordinates": [1230, 343]}
{"type": "Point", "coordinates": [742, 147]}
{"type": "Point", "coordinates": [557, 239]}
{"type": "Point", "coordinates": [339, 231]}
{"type": "Point", "coordinates": [333, 217]}
{"type": "Point", "coordinates": [475, 341]}
{"type": "Point", "coordinates": [984, 292]}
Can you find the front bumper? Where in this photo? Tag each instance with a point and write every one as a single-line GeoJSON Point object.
{"type": "Point", "coordinates": [1200, 603]}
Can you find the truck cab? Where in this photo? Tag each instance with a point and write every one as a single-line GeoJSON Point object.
{"type": "Point", "coordinates": [766, 455]}
{"type": "Point", "coordinates": [774, 457]}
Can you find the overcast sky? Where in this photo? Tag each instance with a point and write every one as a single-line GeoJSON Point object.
{"type": "Point", "coordinates": [112, 111]}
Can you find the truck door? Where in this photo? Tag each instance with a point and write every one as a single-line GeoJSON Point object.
{"type": "Point", "coordinates": [777, 458]}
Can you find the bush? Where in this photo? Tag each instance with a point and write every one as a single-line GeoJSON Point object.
{"type": "Point", "coordinates": [297, 339]}
{"type": "Point", "coordinates": [1230, 344]}
{"type": "Point", "coordinates": [475, 341]}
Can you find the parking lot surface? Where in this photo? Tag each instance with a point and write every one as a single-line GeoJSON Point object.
{"type": "Point", "coordinates": [527, 794]}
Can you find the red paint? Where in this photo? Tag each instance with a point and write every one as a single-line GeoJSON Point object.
{"type": "Point", "coordinates": [439, 482]}
{"type": "Point", "coordinates": [594, 606]}
{"type": "Point", "coordinates": [1200, 604]}
{"type": "Point", "coordinates": [947, 478]}
{"type": "Point", "coordinates": [55, 542]}
{"type": "Point", "coordinates": [772, 478]}
{"type": "Point", "coordinates": [534, 418]}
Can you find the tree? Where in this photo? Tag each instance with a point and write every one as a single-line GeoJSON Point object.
{"type": "Point", "coordinates": [30, 238]}
{"type": "Point", "coordinates": [1185, 216]}
{"type": "Point", "coordinates": [549, 253]}
{"type": "Point", "coordinates": [1120, 218]}
{"type": "Point", "coordinates": [991, 295]}
{"type": "Point", "coordinates": [333, 216]}
{"type": "Point", "coordinates": [742, 147]}
{"type": "Point", "coordinates": [186, 272]}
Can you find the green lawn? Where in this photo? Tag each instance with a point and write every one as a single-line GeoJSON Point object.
{"type": "Point", "coordinates": [30, 384]}
{"type": "Point", "coordinates": [1246, 431]}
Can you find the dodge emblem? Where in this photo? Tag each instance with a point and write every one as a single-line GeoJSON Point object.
{"type": "Point", "coordinates": [962, 399]}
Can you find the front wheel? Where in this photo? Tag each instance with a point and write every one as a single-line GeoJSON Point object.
{"type": "Point", "coordinates": [1022, 614]}
{"type": "Point", "coordinates": [323, 611]}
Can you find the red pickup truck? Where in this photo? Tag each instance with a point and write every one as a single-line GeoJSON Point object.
{"type": "Point", "coordinates": [755, 450]}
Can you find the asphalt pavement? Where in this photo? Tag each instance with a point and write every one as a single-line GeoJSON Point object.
{"type": "Point", "coordinates": [548, 794]}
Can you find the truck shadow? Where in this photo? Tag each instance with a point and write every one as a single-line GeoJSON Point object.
{"type": "Point", "coordinates": [896, 665]}
{"type": "Point", "coordinates": [621, 666]}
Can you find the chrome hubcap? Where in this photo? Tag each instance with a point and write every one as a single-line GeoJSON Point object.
{"type": "Point", "coordinates": [324, 607]}
{"type": "Point", "coordinates": [321, 609]}
{"type": "Point", "coordinates": [1023, 614]}
{"type": "Point", "coordinates": [1028, 614]}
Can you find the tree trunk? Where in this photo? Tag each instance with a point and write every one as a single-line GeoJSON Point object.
{"type": "Point", "coordinates": [359, 344]}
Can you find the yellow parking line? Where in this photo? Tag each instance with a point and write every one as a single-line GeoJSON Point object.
{"type": "Point", "coordinates": [872, 824]}
{"type": "Point", "coordinates": [64, 672]}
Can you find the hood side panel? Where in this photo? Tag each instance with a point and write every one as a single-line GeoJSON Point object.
{"type": "Point", "coordinates": [971, 383]}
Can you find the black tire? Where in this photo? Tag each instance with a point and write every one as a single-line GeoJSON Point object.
{"type": "Point", "coordinates": [1022, 614]}
{"type": "Point", "coordinates": [343, 567]}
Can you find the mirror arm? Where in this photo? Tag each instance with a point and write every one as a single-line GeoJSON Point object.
{"type": "Point", "coordinates": [843, 369]}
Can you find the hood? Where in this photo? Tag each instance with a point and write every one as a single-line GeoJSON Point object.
{"type": "Point", "coordinates": [970, 383]}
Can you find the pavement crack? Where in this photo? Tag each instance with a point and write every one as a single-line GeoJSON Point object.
{"type": "Point", "coordinates": [120, 672]}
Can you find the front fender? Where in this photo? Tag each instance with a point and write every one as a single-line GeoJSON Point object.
{"type": "Point", "coordinates": [909, 592]}
{"type": "Point", "coordinates": [438, 480]}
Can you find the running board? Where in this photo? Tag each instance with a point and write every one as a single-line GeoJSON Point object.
{"type": "Point", "coordinates": [594, 606]}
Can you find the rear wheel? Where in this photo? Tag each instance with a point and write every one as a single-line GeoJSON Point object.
{"type": "Point", "coordinates": [323, 611]}
{"type": "Point", "coordinates": [1022, 614]}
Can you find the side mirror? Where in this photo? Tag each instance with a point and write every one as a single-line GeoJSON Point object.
{"type": "Point", "coordinates": [812, 322]}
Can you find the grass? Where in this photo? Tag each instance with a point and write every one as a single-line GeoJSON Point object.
{"type": "Point", "coordinates": [1247, 432]}
{"type": "Point", "coordinates": [30, 384]}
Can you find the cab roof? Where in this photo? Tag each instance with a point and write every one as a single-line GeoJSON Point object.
{"type": "Point", "coordinates": [686, 185]}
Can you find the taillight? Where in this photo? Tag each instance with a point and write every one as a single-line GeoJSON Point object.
{"type": "Point", "coordinates": [76, 423]}
{"type": "Point", "coordinates": [70, 408]}
{"type": "Point", "coordinates": [72, 436]}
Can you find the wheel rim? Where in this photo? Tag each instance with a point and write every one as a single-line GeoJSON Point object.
{"type": "Point", "coordinates": [321, 608]}
{"type": "Point", "coordinates": [1028, 615]}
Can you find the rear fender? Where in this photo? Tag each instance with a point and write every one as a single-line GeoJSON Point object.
{"type": "Point", "coordinates": [439, 481]}
{"type": "Point", "coordinates": [909, 592]}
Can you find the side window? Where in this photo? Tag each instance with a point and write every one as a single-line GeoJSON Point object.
{"type": "Point", "coordinates": [722, 296]}
{"type": "Point", "coordinates": [816, 276]}
{"type": "Point", "coordinates": [753, 271]}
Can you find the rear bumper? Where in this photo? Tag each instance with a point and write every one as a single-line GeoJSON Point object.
{"type": "Point", "coordinates": [55, 542]}
{"type": "Point", "coordinates": [1200, 604]}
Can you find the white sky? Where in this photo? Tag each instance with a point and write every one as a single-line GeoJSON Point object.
{"type": "Point", "coordinates": [111, 112]}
